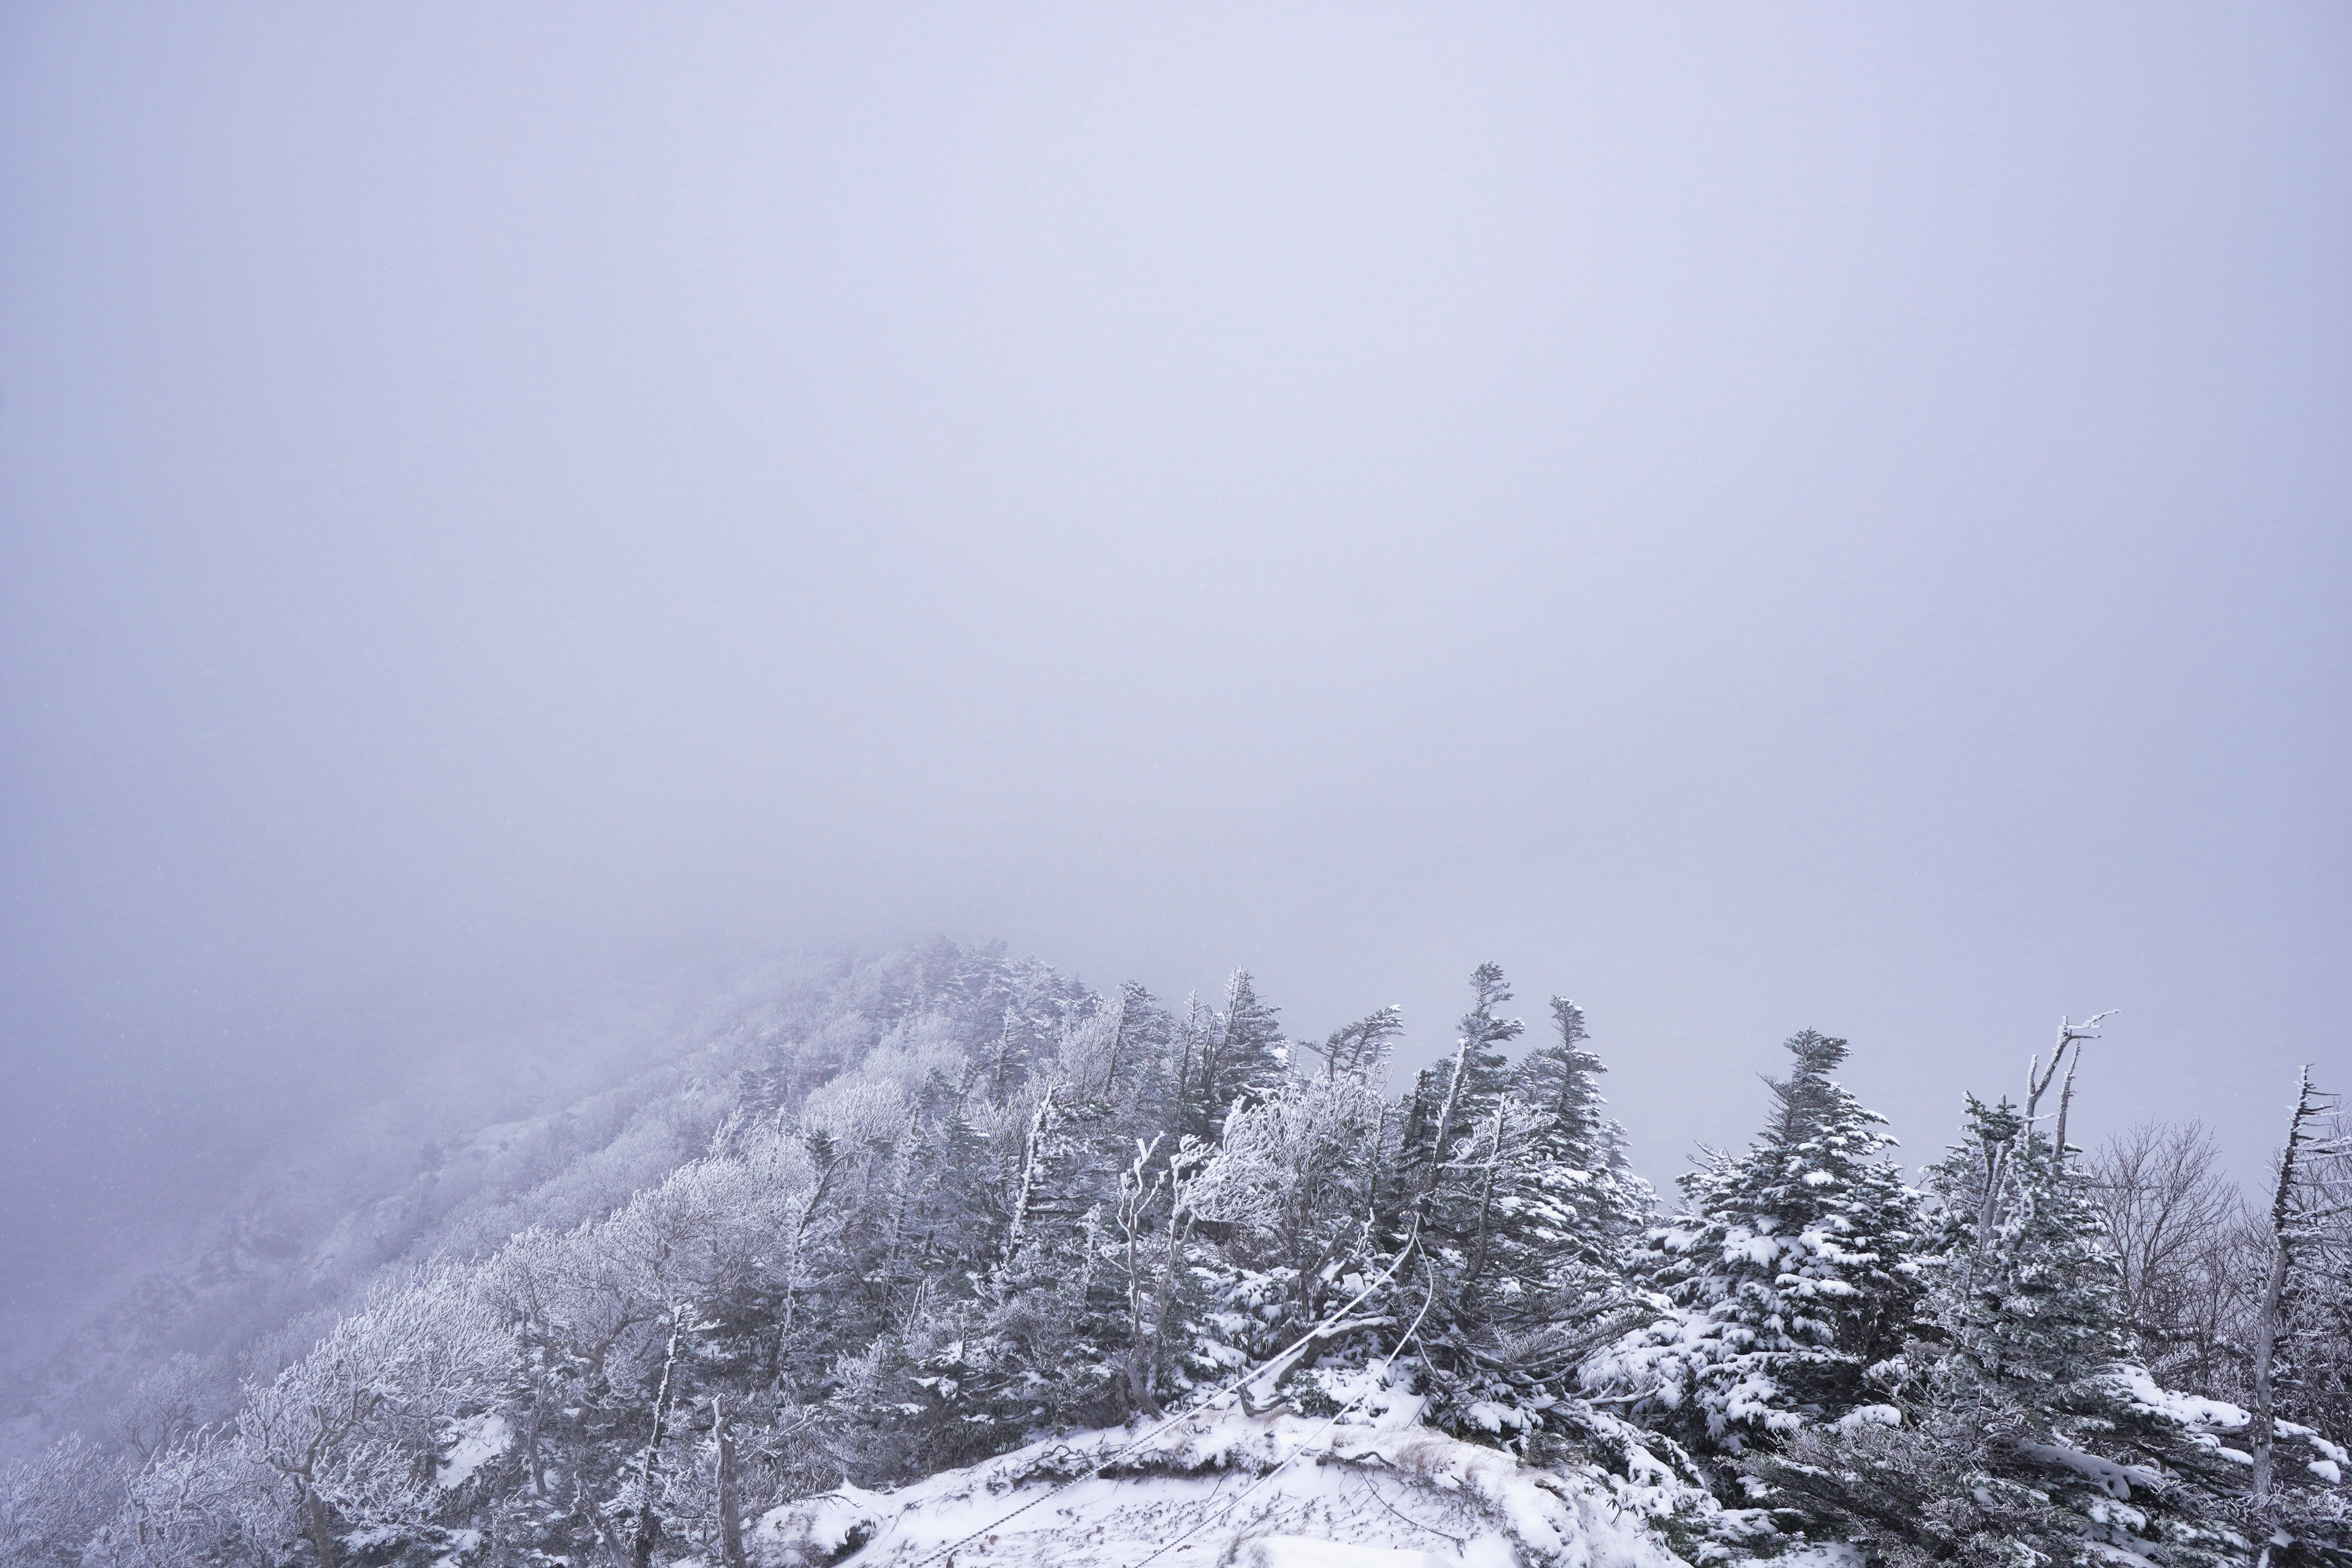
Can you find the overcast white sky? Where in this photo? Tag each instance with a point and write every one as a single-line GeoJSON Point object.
{"type": "Point", "coordinates": [1756, 517]}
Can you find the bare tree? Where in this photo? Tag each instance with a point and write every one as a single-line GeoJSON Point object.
{"type": "Point", "coordinates": [2167, 1212]}
{"type": "Point", "coordinates": [2039, 1078]}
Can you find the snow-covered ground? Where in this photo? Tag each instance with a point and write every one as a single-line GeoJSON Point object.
{"type": "Point", "coordinates": [1225, 1488]}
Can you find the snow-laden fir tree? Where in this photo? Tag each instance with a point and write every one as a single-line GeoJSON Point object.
{"type": "Point", "coordinates": [1785, 1284]}
{"type": "Point", "coordinates": [2026, 1290]}
{"type": "Point", "coordinates": [1454, 1095]}
{"type": "Point", "coordinates": [1524, 1223]}
{"type": "Point", "coordinates": [1228, 1055]}
{"type": "Point", "coordinates": [1989, 1457]}
{"type": "Point", "coordinates": [1587, 1206]}
{"type": "Point", "coordinates": [2024, 1432]}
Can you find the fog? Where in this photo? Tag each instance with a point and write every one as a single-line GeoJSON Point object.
{"type": "Point", "coordinates": [1752, 519]}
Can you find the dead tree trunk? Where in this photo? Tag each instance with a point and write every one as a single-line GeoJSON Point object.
{"type": "Point", "coordinates": [641, 1545]}
{"type": "Point", "coordinates": [2285, 1233]}
{"type": "Point", "coordinates": [1138, 1189]}
{"type": "Point", "coordinates": [1032, 1150]}
{"type": "Point", "coordinates": [2065, 1103]}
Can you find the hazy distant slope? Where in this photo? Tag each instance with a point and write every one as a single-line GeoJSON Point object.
{"type": "Point", "coordinates": [415, 1177]}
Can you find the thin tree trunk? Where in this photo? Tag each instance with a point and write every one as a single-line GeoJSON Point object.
{"type": "Point", "coordinates": [1031, 1147]}
{"type": "Point", "coordinates": [539, 1396]}
{"type": "Point", "coordinates": [1445, 1125]}
{"type": "Point", "coordinates": [2065, 1103]}
{"type": "Point", "coordinates": [1179, 1224]}
{"type": "Point", "coordinates": [2265, 1345]}
{"type": "Point", "coordinates": [1184, 1069]}
{"type": "Point", "coordinates": [1567, 1020]}
{"type": "Point", "coordinates": [789, 1318]}
{"type": "Point", "coordinates": [731, 1520]}
{"type": "Point", "coordinates": [1485, 1203]}
{"type": "Point", "coordinates": [2266, 1326]}
{"type": "Point", "coordinates": [641, 1547]}
{"type": "Point", "coordinates": [582, 1507]}
{"type": "Point", "coordinates": [1996, 1169]}
{"type": "Point", "coordinates": [1139, 1388]}
{"type": "Point", "coordinates": [1003, 1054]}
{"type": "Point", "coordinates": [1117, 1040]}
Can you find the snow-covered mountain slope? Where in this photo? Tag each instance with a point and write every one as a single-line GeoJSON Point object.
{"type": "Point", "coordinates": [450, 1167]}
{"type": "Point", "coordinates": [1221, 1486]}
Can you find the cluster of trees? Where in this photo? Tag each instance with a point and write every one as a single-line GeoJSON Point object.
{"type": "Point", "coordinates": [985, 1202]}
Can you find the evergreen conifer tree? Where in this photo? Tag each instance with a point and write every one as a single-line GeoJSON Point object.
{"type": "Point", "coordinates": [1361, 1049]}
{"type": "Point", "coordinates": [1515, 1259]}
{"type": "Point", "coordinates": [2026, 1288]}
{"type": "Point", "coordinates": [1582, 1190]}
{"type": "Point", "coordinates": [1234, 1054]}
{"type": "Point", "coordinates": [1786, 1282]}
{"type": "Point", "coordinates": [1452, 1096]}
{"type": "Point", "coordinates": [2019, 1435]}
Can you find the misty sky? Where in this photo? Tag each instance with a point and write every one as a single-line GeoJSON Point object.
{"type": "Point", "coordinates": [1755, 517]}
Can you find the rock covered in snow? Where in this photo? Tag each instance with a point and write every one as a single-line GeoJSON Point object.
{"type": "Point", "coordinates": [1303, 1551]}
{"type": "Point", "coordinates": [1224, 1488]}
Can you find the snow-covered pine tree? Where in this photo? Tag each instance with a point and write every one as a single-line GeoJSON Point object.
{"type": "Point", "coordinates": [1361, 1048]}
{"type": "Point", "coordinates": [2313, 1343]}
{"type": "Point", "coordinates": [1288, 1190]}
{"type": "Point", "coordinates": [1454, 1095]}
{"type": "Point", "coordinates": [2019, 1437]}
{"type": "Point", "coordinates": [1232, 1054]}
{"type": "Point", "coordinates": [1785, 1283]}
{"type": "Point", "coordinates": [1583, 1193]}
{"type": "Point", "coordinates": [2026, 1290]}
{"type": "Point", "coordinates": [2300, 1212]}
{"type": "Point", "coordinates": [1536, 1217]}
{"type": "Point", "coordinates": [1498, 1333]}
{"type": "Point", "coordinates": [1135, 1069]}
{"type": "Point", "coordinates": [1560, 1077]}
{"type": "Point", "coordinates": [2027, 1434]}
{"type": "Point", "coordinates": [1486, 1203]}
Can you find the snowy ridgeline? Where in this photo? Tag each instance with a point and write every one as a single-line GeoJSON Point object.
{"type": "Point", "coordinates": [941, 1258]}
